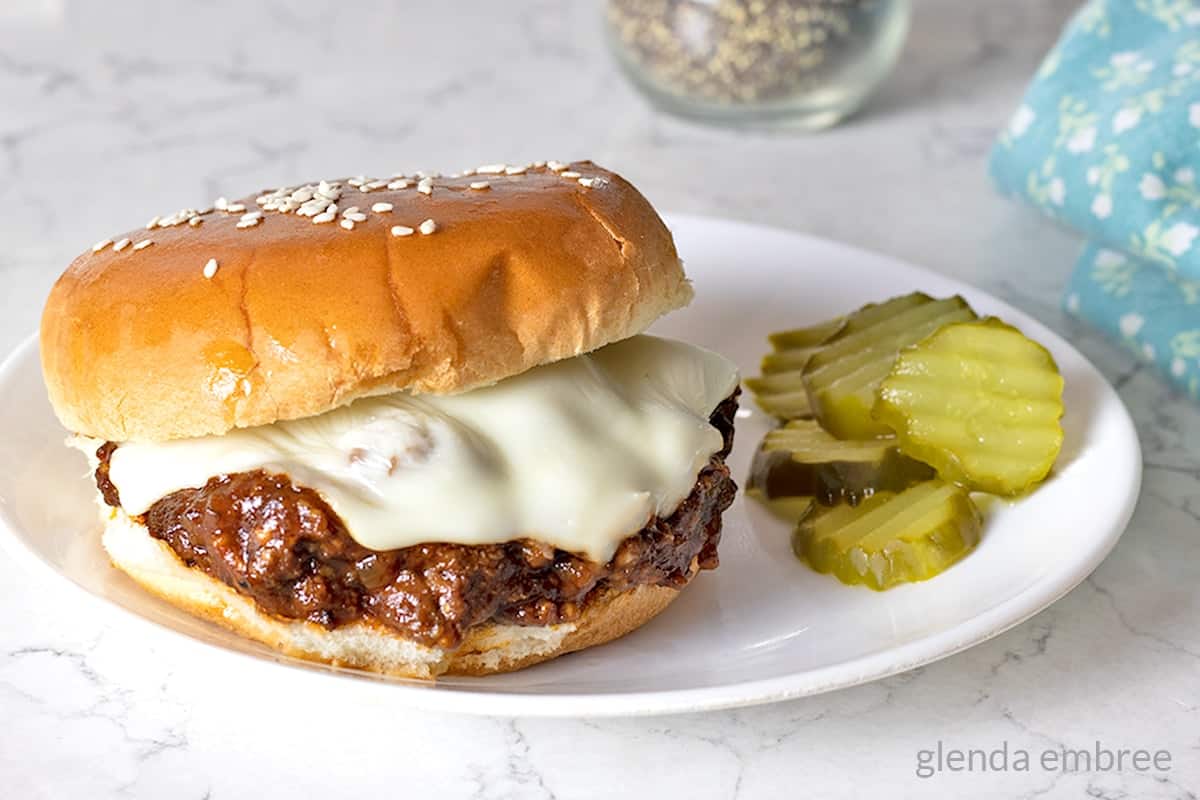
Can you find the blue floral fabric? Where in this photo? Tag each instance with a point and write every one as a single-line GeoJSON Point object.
{"type": "Point", "coordinates": [1107, 140]}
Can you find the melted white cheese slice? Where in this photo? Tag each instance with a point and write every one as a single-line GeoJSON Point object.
{"type": "Point", "coordinates": [579, 454]}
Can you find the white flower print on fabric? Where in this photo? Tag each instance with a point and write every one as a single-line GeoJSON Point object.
{"type": "Point", "coordinates": [1186, 344]}
{"type": "Point", "coordinates": [1194, 115]}
{"type": "Point", "coordinates": [1082, 140]}
{"type": "Point", "coordinates": [1021, 121]}
{"type": "Point", "coordinates": [1102, 206]}
{"type": "Point", "coordinates": [1152, 187]}
{"type": "Point", "coordinates": [1113, 275]}
{"type": "Point", "coordinates": [1178, 238]}
{"type": "Point", "coordinates": [1057, 191]}
{"type": "Point", "coordinates": [1171, 13]}
{"type": "Point", "coordinates": [1126, 119]}
{"type": "Point", "coordinates": [1130, 324]}
{"type": "Point", "coordinates": [1124, 69]}
{"type": "Point", "coordinates": [1110, 258]}
{"type": "Point", "coordinates": [1185, 175]}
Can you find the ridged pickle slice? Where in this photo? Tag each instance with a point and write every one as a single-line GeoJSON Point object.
{"type": "Point", "coordinates": [979, 402]}
{"type": "Point", "coordinates": [785, 405]}
{"type": "Point", "coordinates": [786, 360]}
{"type": "Point", "coordinates": [788, 509]}
{"type": "Point", "coordinates": [843, 376]}
{"type": "Point", "coordinates": [890, 538]}
{"type": "Point", "coordinates": [806, 337]}
{"type": "Point", "coordinates": [801, 459]}
{"type": "Point", "coordinates": [780, 391]}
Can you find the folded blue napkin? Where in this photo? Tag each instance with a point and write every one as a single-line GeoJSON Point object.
{"type": "Point", "coordinates": [1107, 140]}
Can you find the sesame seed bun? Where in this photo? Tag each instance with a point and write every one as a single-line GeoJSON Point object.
{"type": "Point", "coordinates": [487, 649]}
{"type": "Point", "coordinates": [231, 319]}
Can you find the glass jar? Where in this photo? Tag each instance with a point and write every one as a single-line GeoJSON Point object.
{"type": "Point", "coordinates": [790, 63]}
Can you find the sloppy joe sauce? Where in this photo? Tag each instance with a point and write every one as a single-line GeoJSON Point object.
{"type": "Point", "coordinates": [283, 546]}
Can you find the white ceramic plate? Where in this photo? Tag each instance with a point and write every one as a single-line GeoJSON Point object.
{"type": "Point", "coordinates": [763, 627]}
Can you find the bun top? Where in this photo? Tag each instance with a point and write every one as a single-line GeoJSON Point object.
{"type": "Point", "coordinates": [301, 299]}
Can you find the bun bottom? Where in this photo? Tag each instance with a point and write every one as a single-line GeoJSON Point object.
{"type": "Point", "coordinates": [486, 649]}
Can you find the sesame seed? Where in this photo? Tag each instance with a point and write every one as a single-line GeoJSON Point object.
{"type": "Point", "coordinates": [312, 207]}
{"type": "Point", "coordinates": [380, 208]}
{"type": "Point", "coordinates": [427, 227]}
{"type": "Point", "coordinates": [425, 186]}
{"type": "Point", "coordinates": [515, 170]}
{"type": "Point", "coordinates": [152, 224]}
{"type": "Point", "coordinates": [235, 208]}
{"type": "Point", "coordinates": [556, 166]}
{"type": "Point", "coordinates": [491, 169]}
{"type": "Point", "coordinates": [400, 184]}
{"type": "Point", "coordinates": [480, 185]}
{"type": "Point", "coordinates": [348, 224]}
{"type": "Point", "coordinates": [210, 268]}
{"type": "Point", "coordinates": [539, 164]}
{"type": "Point", "coordinates": [587, 183]}
{"type": "Point", "coordinates": [143, 244]}
{"type": "Point", "coordinates": [356, 216]}
{"type": "Point", "coordinates": [121, 245]}
{"type": "Point", "coordinates": [98, 246]}
{"type": "Point", "coordinates": [373, 185]}
{"type": "Point", "coordinates": [466, 173]}
{"type": "Point", "coordinates": [402, 230]}
{"type": "Point", "coordinates": [195, 221]}
{"type": "Point", "coordinates": [220, 203]}
{"type": "Point", "coordinates": [248, 223]}
{"type": "Point", "coordinates": [570, 175]}
{"type": "Point", "coordinates": [356, 182]}
{"type": "Point", "coordinates": [303, 194]}
{"type": "Point", "coordinates": [324, 216]}
{"type": "Point", "coordinates": [350, 210]}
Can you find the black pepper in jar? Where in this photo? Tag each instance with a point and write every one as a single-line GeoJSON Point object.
{"type": "Point", "coordinates": [756, 52]}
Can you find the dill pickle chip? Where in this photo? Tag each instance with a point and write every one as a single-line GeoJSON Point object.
{"type": "Point", "coordinates": [841, 326]}
{"type": "Point", "coordinates": [788, 509]}
{"type": "Point", "coordinates": [806, 337]}
{"type": "Point", "coordinates": [979, 402]}
{"type": "Point", "coordinates": [890, 538]}
{"type": "Point", "coordinates": [777, 383]}
{"type": "Point", "coordinates": [785, 405]}
{"type": "Point", "coordinates": [780, 391]}
{"type": "Point", "coordinates": [786, 360]}
{"type": "Point", "coordinates": [801, 459]}
{"type": "Point", "coordinates": [842, 377]}
{"type": "Point", "coordinates": [781, 394]}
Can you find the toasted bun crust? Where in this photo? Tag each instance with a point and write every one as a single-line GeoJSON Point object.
{"type": "Point", "coordinates": [486, 650]}
{"type": "Point", "coordinates": [301, 317]}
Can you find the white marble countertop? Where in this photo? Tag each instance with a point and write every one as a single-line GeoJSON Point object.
{"type": "Point", "coordinates": [111, 112]}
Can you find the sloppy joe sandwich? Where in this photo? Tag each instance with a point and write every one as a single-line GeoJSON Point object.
{"type": "Point", "coordinates": [408, 424]}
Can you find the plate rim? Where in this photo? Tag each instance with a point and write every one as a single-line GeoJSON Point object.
{"type": "Point", "coordinates": [874, 666]}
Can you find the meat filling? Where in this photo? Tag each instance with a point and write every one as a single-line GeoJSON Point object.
{"type": "Point", "coordinates": [284, 547]}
